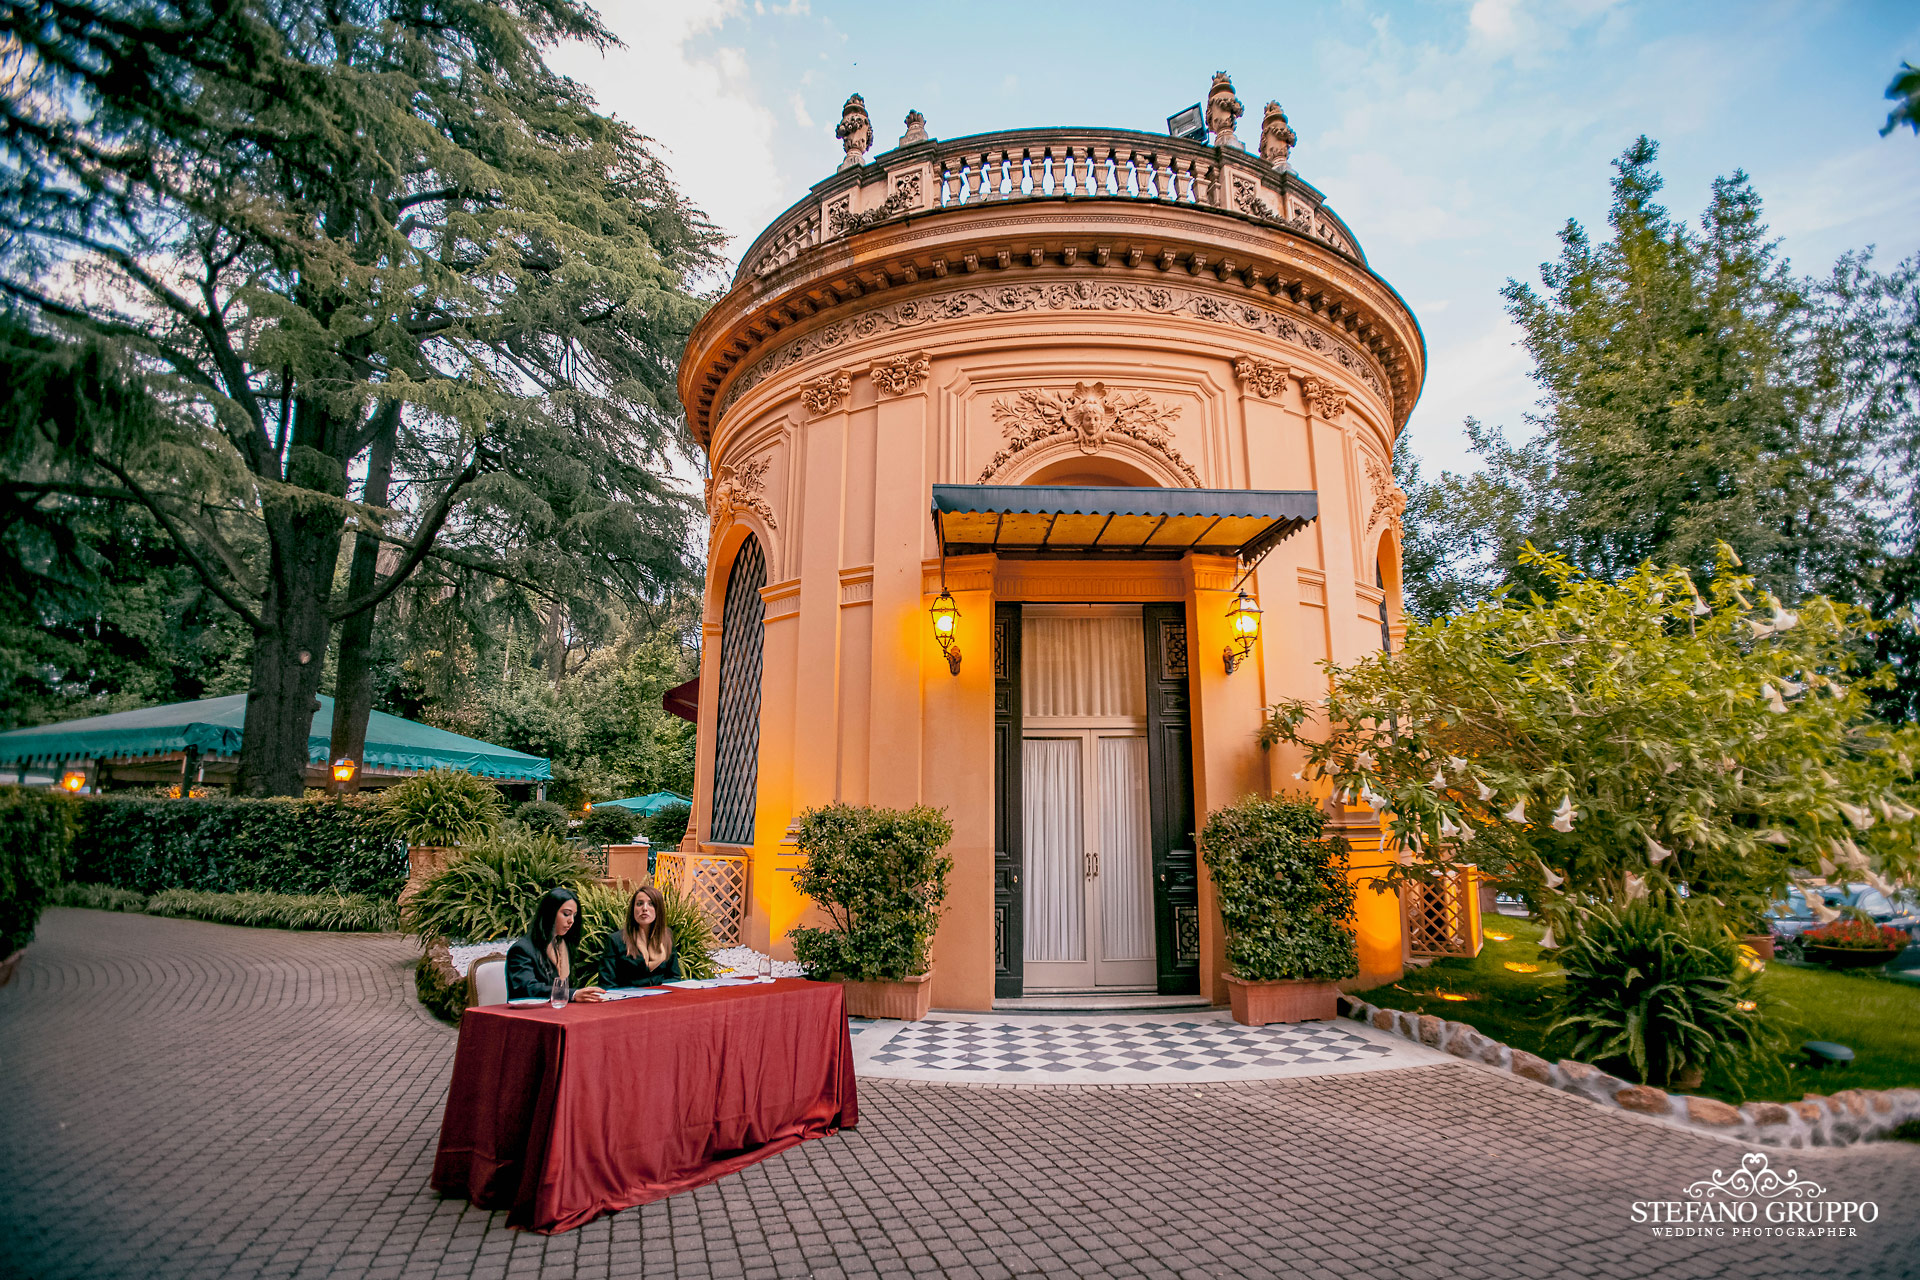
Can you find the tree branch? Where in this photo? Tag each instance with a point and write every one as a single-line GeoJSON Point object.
{"type": "Point", "coordinates": [193, 557]}
{"type": "Point", "coordinates": [417, 548]}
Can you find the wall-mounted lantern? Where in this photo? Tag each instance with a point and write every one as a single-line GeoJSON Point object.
{"type": "Point", "coordinates": [74, 780]}
{"type": "Point", "coordinates": [946, 615]}
{"type": "Point", "coordinates": [1243, 620]}
{"type": "Point", "coordinates": [343, 769]}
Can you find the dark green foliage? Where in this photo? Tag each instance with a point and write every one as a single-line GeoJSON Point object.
{"type": "Point", "coordinates": [232, 846]}
{"type": "Point", "coordinates": [335, 912]}
{"type": "Point", "coordinates": [664, 828]}
{"type": "Point", "coordinates": [609, 825]}
{"type": "Point", "coordinates": [1656, 991]}
{"type": "Point", "coordinates": [542, 817]}
{"type": "Point", "coordinates": [36, 840]}
{"type": "Point", "coordinates": [603, 910]}
{"type": "Point", "coordinates": [443, 993]}
{"type": "Point", "coordinates": [97, 897]}
{"type": "Point", "coordinates": [442, 807]}
{"type": "Point", "coordinates": [1284, 895]}
{"type": "Point", "coordinates": [880, 875]}
{"type": "Point", "coordinates": [490, 889]}
{"type": "Point", "coordinates": [1904, 93]}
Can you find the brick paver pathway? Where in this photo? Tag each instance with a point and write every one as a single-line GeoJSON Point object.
{"type": "Point", "coordinates": [187, 1099]}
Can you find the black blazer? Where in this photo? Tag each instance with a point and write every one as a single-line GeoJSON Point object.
{"type": "Point", "coordinates": [529, 972]}
{"type": "Point", "coordinates": [616, 970]}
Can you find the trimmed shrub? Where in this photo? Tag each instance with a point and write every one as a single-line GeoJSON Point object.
{"type": "Point", "coordinates": [442, 807]}
{"type": "Point", "coordinates": [98, 897]}
{"type": "Point", "coordinates": [611, 825]}
{"type": "Point", "coordinates": [1656, 992]}
{"type": "Point", "coordinates": [542, 817]}
{"type": "Point", "coordinates": [326, 845]}
{"type": "Point", "coordinates": [1283, 889]}
{"type": "Point", "coordinates": [880, 875]}
{"type": "Point", "coordinates": [36, 843]}
{"type": "Point", "coordinates": [664, 828]}
{"type": "Point", "coordinates": [490, 889]}
{"type": "Point", "coordinates": [337, 912]}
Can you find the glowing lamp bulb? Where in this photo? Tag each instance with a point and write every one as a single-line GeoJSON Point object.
{"type": "Point", "coordinates": [1243, 623]}
{"type": "Point", "coordinates": [73, 780]}
{"type": "Point", "coordinates": [343, 769]}
{"type": "Point", "coordinates": [946, 614]}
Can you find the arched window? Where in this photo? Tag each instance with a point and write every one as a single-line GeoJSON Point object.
{"type": "Point", "coordinates": [736, 748]}
{"type": "Point", "coordinates": [1380, 580]}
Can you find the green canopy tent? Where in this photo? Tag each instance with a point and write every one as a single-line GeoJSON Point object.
{"type": "Point", "coordinates": [155, 744]}
{"type": "Point", "coordinates": [651, 803]}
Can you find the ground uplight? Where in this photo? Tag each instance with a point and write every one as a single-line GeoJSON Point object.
{"type": "Point", "coordinates": [1517, 967]}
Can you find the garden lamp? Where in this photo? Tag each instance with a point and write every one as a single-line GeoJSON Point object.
{"type": "Point", "coordinates": [73, 780]}
{"type": "Point", "coordinates": [1243, 620]}
{"type": "Point", "coordinates": [946, 614]}
{"type": "Point", "coordinates": [343, 769]}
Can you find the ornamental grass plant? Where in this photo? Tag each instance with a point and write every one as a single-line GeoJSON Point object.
{"type": "Point", "coordinates": [443, 808]}
{"type": "Point", "coordinates": [603, 910]}
{"type": "Point", "coordinates": [489, 890]}
{"type": "Point", "coordinates": [1284, 894]}
{"type": "Point", "coordinates": [335, 912]}
{"type": "Point", "coordinates": [1661, 992]}
{"type": "Point", "coordinates": [881, 877]}
{"type": "Point", "coordinates": [98, 897]}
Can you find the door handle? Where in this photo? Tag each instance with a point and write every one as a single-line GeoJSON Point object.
{"type": "Point", "coordinates": [1090, 863]}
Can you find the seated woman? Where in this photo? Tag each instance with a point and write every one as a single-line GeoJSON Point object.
{"type": "Point", "coordinates": [641, 953]}
{"type": "Point", "coordinates": [546, 954]}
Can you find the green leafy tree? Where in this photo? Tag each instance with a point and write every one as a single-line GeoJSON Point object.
{"type": "Point", "coordinates": [304, 245]}
{"type": "Point", "coordinates": [1904, 92]}
{"type": "Point", "coordinates": [1617, 740]}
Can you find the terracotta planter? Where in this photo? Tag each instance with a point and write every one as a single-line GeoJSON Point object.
{"type": "Point", "coordinates": [8, 965]}
{"type": "Point", "coordinates": [423, 863]}
{"type": "Point", "coordinates": [1849, 957]}
{"type": "Point", "coordinates": [1762, 944]}
{"type": "Point", "coordinates": [908, 999]}
{"type": "Point", "coordinates": [1255, 1004]}
{"type": "Point", "coordinates": [627, 865]}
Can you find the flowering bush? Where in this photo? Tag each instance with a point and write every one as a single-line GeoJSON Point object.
{"type": "Point", "coordinates": [1856, 935]}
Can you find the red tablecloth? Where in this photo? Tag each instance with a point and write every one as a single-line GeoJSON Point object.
{"type": "Point", "coordinates": [561, 1115]}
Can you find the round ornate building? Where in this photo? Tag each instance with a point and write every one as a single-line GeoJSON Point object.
{"type": "Point", "coordinates": [1087, 387]}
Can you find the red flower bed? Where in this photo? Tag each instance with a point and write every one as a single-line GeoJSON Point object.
{"type": "Point", "coordinates": [1857, 935]}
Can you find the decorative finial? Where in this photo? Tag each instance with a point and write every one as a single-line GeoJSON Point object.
{"type": "Point", "coordinates": [916, 129]}
{"type": "Point", "coordinates": [855, 131]}
{"type": "Point", "coordinates": [1277, 138]}
{"type": "Point", "coordinates": [1223, 109]}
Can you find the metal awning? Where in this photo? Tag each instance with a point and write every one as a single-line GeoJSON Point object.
{"type": "Point", "coordinates": [1119, 521]}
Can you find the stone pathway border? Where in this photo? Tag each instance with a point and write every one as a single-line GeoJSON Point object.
{"type": "Point", "coordinates": [1818, 1120]}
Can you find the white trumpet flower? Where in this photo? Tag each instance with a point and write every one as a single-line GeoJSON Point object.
{"type": "Point", "coordinates": [1792, 688]}
{"type": "Point", "coordinates": [1760, 629]}
{"type": "Point", "coordinates": [1364, 760]}
{"type": "Point", "coordinates": [1546, 939]}
{"type": "Point", "coordinates": [1439, 782]}
{"type": "Point", "coordinates": [1774, 837]}
{"type": "Point", "coordinates": [1897, 812]}
{"type": "Point", "coordinates": [1447, 830]}
{"type": "Point", "coordinates": [1877, 882]}
{"type": "Point", "coordinates": [1861, 818]}
{"type": "Point", "coordinates": [1657, 853]}
{"type": "Point", "coordinates": [1519, 811]}
{"type": "Point", "coordinates": [1563, 816]}
{"type": "Point", "coordinates": [1553, 880]}
{"type": "Point", "coordinates": [1636, 886]}
{"type": "Point", "coordinates": [1457, 763]}
{"type": "Point", "coordinates": [1486, 792]}
{"type": "Point", "coordinates": [1774, 704]}
{"type": "Point", "coordinates": [1782, 620]}
{"type": "Point", "coordinates": [1467, 833]}
{"type": "Point", "coordinates": [1701, 608]}
{"type": "Point", "coordinates": [1821, 911]}
{"type": "Point", "coordinates": [1827, 869]}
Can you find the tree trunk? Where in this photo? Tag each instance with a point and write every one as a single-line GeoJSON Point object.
{"type": "Point", "coordinates": [353, 680]}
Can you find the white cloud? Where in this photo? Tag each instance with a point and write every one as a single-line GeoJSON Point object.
{"type": "Point", "coordinates": [700, 105]}
{"type": "Point", "coordinates": [1481, 375]}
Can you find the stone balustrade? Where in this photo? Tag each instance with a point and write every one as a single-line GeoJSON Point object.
{"type": "Point", "coordinates": [1045, 164]}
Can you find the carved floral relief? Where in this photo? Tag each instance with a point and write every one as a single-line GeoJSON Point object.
{"type": "Point", "coordinates": [827, 391]}
{"type": "Point", "coordinates": [1389, 499]}
{"type": "Point", "coordinates": [1090, 414]}
{"type": "Point", "coordinates": [739, 487]}
{"type": "Point", "coordinates": [1324, 400]}
{"type": "Point", "coordinates": [1265, 377]}
{"type": "Point", "coordinates": [901, 374]}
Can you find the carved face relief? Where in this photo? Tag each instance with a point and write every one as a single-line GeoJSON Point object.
{"type": "Point", "coordinates": [823, 393]}
{"type": "Point", "coordinates": [1091, 415]}
{"type": "Point", "coordinates": [739, 488]}
{"type": "Point", "coordinates": [1265, 377]}
{"type": "Point", "coordinates": [1323, 399]}
{"type": "Point", "coordinates": [901, 374]}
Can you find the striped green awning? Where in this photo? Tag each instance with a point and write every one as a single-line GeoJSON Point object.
{"type": "Point", "coordinates": [1118, 521]}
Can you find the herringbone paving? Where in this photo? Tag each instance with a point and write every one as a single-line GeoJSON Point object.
{"type": "Point", "coordinates": [186, 1099]}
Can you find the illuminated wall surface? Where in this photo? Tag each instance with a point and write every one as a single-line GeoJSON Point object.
{"type": "Point", "coordinates": [1044, 307]}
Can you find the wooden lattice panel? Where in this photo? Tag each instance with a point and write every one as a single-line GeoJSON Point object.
{"type": "Point", "coordinates": [1438, 923]}
{"type": "Point", "coordinates": [718, 885]}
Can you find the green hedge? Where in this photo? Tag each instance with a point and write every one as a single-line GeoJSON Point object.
{"type": "Point", "coordinates": [36, 837]}
{"type": "Point", "coordinates": [325, 846]}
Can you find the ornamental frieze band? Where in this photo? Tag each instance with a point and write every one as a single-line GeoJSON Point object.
{"type": "Point", "coordinates": [1078, 295]}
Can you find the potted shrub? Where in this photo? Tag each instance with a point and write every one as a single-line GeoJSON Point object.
{"type": "Point", "coordinates": [1287, 905]}
{"type": "Point", "coordinates": [1853, 944]}
{"type": "Point", "coordinates": [880, 875]}
{"type": "Point", "coordinates": [435, 811]}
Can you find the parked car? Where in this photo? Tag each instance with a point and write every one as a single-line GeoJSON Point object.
{"type": "Point", "coordinates": [1793, 917]}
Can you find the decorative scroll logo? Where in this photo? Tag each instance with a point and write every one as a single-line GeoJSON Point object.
{"type": "Point", "coordinates": [1090, 414]}
{"type": "Point", "coordinates": [1754, 1200]}
{"type": "Point", "coordinates": [1754, 1179]}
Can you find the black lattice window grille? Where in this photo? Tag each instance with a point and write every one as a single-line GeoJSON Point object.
{"type": "Point", "coordinates": [1000, 941]}
{"type": "Point", "coordinates": [1186, 935]}
{"type": "Point", "coordinates": [736, 745]}
{"type": "Point", "coordinates": [1173, 650]}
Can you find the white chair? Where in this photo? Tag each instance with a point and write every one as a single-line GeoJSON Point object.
{"type": "Point", "coordinates": [488, 979]}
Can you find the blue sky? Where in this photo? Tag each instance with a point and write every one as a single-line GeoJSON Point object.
{"type": "Point", "coordinates": [1456, 138]}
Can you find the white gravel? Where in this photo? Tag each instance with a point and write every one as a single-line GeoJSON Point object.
{"type": "Point", "coordinates": [744, 961]}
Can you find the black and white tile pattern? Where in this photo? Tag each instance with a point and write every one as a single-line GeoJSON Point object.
{"type": "Point", "coordinates": [1164, 1049]}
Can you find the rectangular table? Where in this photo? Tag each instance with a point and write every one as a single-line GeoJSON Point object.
{"type": "Point", "coordinates": [561, 1115]}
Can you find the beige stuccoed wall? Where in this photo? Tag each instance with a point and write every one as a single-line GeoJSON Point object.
{"type": "Point", "coordinates": [857, 701]}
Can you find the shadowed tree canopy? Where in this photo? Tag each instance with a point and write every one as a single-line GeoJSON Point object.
{"type": "Point", "coordinates": [364, 268]}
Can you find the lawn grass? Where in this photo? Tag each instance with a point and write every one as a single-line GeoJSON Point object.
{"type": "Point", "coordinates": [1876, 1018]}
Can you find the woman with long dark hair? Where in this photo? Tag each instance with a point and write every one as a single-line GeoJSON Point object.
{"type": "Point", "coordinates": [641, 953]}
{"type": "Point", "coordinates": [546, 954]}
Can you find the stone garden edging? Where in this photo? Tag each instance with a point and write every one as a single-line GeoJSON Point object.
{"type": "Point", "coordinates": [1844, 1118]}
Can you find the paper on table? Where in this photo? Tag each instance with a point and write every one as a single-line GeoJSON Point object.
{"type": "Point", "coordinates": [629, 993]}
{"type": "Point", "coordinates": [526, 1002]}
{"type": "Point", "coordinates": [701, 984]}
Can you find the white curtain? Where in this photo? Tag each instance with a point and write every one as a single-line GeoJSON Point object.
{"type": "Point", "coordinates": [1083, 667]}
{"type": "Point", "coordinates": [1056, 887]}
{"type": "Point", "coordinates": [1126, 863]}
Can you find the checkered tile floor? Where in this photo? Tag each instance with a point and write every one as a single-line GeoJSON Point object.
{"type": "Point", "coordinates": [963, 1047]}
